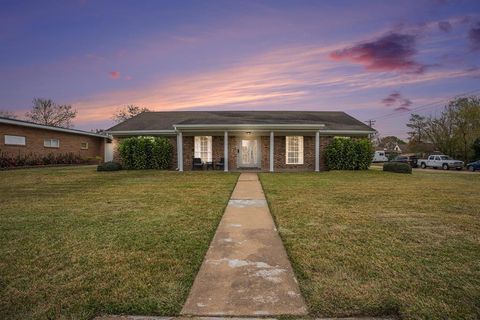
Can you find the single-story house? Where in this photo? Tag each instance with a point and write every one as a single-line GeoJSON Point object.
{"type": "Point", "coordinates": [261, 140]}
{"type": "Point", "coordinates": [20, 137]}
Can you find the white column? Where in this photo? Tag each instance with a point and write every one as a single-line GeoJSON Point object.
{"type": "Point", "coordinates": [180, 151]}
{"type": "Point", "coordinates": [317, 151]}
{"type": "Point", "coordinates": [272, 143]}
{"type": "Point", "coordinates": [225, 152]}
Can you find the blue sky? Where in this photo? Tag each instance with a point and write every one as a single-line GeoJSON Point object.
{"type": "Point", "coordinates": [372, 59]}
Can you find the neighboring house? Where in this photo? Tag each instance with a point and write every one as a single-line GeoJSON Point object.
{"type": "Point", "coordinates": [397, 148]}
{"type": "Point", "coordinates": [262, 140]}
{"type": "Point", "coordinates": [20, 137]}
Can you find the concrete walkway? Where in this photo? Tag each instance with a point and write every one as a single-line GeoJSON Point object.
{"type": "Point", "coordinates": [246, 271]}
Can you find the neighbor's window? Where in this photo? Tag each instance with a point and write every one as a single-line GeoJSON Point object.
{"type": "Point", "coordinates": [294, 150]}
{"type": "Point", "coordinates": [51, 143]}
{"type": "Point", "coordinates": [84, 145]}
{"type": "Point", "coordinates": [203, 148]}
{"type": "Point", "coordinates": [15, 140]}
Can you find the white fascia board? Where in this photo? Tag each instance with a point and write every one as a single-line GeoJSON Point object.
{"type": "Point", "coordinates": [141, 132]}
{"type": "Point", "coordinates": [241, 127]}
{"type": "Point", "coordinates": [346, 131]}
{"type": "Point", "coordinates": [45, 127]}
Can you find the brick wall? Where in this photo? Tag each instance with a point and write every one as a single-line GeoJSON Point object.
{"type": "Point", "coordinates": [218, 149]}
{"type": "Point", "coordinates": [69, 142]}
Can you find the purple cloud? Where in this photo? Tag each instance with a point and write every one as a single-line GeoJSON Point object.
{"type": "Point", "coordinates": [474, 36]}
{"type": "Point", "coordinates": [396, 98]}
{"type": "Point", "coordinates": [445, 26]}
{"type": "Point", "coordinates": [391, 52]}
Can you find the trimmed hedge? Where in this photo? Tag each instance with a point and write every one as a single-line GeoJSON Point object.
{"type": "Point", "coordinates": [32, 159]}
{"type": "Point", "coordinates": [109, 166]}
{"type": "Point", "coordinates": [146, 153]}
{"type": "Point", "coordinates": [397, 167]}
{"type": "Point", "coordinates": [349, 154]}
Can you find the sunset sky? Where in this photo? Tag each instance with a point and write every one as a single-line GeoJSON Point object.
{"type": "Point", "coordinates": [372, 59]}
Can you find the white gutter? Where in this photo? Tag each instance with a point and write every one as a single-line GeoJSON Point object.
{"type": "Point", "coordinates": [248, 126]}
{"type": "Point", "coordinates": [45, 127]}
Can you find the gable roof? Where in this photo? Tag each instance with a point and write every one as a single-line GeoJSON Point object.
{"type": "Point", "coordinates": [170, 120]}
{"type": "Point", "coordinates": [29, 124]}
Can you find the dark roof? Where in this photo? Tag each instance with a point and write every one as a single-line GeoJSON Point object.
{"type": "Point", "coordinates": [333, 120]}
{"type": "Point", "coordinates": [24, 123]}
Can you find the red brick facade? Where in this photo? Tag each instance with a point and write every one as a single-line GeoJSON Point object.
{"type": "Point", "coordinates": [34, 137]}
{"type": "Point", "coordinates": [218, 152]}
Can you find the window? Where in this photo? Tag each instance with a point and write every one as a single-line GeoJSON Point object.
{"type": "Point", "coordinates": [294, 150]}
{"type": "Point", "coordinates": [203, 148]}
{"type": "Point", "coordinates": [84, 145]}
{"type": "Point", "coordinates": [15, 140]}
{"type": "Point", "coordinates": [51, 143]}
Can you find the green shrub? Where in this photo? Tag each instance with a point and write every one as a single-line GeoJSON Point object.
{"type": "Point", "coordinates": [109, 166]}
{"type": "Point", "coordinates": [146, 153]}
{"type": "Point", "coordinates": [398, 167]}
{"type": "Point", "coordinates": [349, 154]}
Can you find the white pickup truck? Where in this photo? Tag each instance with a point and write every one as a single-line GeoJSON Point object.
{"type": "Point", "coordinates": [440, 161]}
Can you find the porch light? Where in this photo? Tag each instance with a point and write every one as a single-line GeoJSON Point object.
{"type": "Point", "coordinates": [248, 133]}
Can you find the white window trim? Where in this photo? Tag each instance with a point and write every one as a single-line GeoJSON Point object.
{"type": "Point", "coordinates": [288, 140]}
{"type": "Point", "coordinates": [49, 143]}
{"type": "Point", "coordinates": [86, 145]}
{"type": "Point", "coordinates": [198, 148]}
{"type": "Point", "coordinates": [7, 136]}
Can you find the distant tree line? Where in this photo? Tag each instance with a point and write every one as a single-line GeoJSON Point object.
{"type": "Point", "coordinates": [455, 132]}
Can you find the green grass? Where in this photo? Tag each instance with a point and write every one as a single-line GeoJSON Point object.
{"type": "Point", "coordinates": [75, 243]}
{"type": "Point", "coordinates": [377, 243]}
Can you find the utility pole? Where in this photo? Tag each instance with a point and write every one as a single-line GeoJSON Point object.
{"type": "Point", "coordinates": [370, 123]}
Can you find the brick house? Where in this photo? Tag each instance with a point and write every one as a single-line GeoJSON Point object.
{"type": "Point", "coordinates": [18, 137]}
{"type": "Point", "coordinates": [260, 140]}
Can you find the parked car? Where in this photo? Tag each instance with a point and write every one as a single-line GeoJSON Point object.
{"type": "Point", "coordinates": [379, 156]}
{"type": "Point", "coordinates": [411, 160]}
{"type": "Point", "coordinates": [440, 161]}
{"type": "Point", "coordinates": [472, 166]}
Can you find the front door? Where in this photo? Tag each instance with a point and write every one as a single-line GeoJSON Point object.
{"type": "Point", "coordinates": [249, 154]}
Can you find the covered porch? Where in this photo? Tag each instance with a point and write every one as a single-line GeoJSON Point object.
{"type": "Point", "coordinates": [250, 148]}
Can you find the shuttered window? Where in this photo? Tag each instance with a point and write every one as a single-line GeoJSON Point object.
{"type": "Point", "coordinates": [294, 150]}
{"type": "Point", "coordinates": [203, 148]}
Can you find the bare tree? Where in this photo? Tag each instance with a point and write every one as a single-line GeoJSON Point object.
{"type": "Point", "coordinates": [45, 111]}
{"type": "Point", "coordinates": [7, 114]}
{"type": "Point", "coordinates": [128, 112]}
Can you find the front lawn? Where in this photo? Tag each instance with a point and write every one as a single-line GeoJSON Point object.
{"type": "Point", "coordinates": [377, 243]}
{"type": "Point", "coordinates": [75, 243]}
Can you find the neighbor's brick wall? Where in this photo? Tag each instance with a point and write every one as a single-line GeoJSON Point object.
{"type": "Point", "coordinates": [69, 142]}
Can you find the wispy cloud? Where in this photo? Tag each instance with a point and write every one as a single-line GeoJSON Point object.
{"type": "Point", "coordinates": [474, 36]}
{"type": "Point", "coordinates": [396, 99]}
{"type": "Point", "coordinates": [293, 77]}
{"type": "Point", "coordinates": [114, 75]}
{"type": "Point", "coordinates": [390, 52]}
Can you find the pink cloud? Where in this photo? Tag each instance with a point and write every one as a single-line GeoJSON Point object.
{"type": "Point", "coordinates": [390, 52]}
{"type": "Point", "coordinates": [114, 75]}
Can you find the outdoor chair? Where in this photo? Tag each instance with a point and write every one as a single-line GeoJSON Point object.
{"type": "Point", "coordinates": [220, 164]}
{"type": "Point", "coordinates": [197, 164]}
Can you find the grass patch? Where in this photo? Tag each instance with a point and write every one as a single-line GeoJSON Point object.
{"type": "Point", "coordinates": [378, 243]}
{"type": "Point", "coordinates": [75, 243]}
